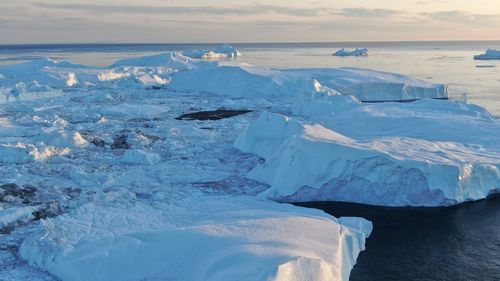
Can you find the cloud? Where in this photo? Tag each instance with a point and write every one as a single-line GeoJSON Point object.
{"type": "Point", "coordinates": [181, 10]}
{"type": "Point", "coordinates": [465, 18]}
{"type": "Point", "coordinates": [365, 12]}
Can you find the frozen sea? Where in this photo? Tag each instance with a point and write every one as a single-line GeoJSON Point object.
{"type": "Point", "coordinates": [445, 243]}
{"type": "Point", "coordinates": [450, 63]}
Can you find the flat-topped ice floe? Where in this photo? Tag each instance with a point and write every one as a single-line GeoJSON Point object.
{"type": "Point", "coordinates": [220, 52]}
{"type": "Point", "coordinates": [174, 60]}
{"type": "Point", "coordinates": [213, 238]}
{"type": "Point", "coordinates": [490, 54]}
{"type": "Point", "coordinates": [254, 82]}
{"type": "Point", "coordinates": [363, 52]}
{"type": "Point", "coordinates": [429, 153]}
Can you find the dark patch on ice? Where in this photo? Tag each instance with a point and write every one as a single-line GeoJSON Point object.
{"type": "Point", "coordinates": [401, 101]}
{"type": "Point", "coordinates": [12, 192]}
{"type": "Point", "coordinates": [49, 210]}
{"type": "Point", "coordinates": [232, 185]}
{"type": "Point", "coordinates": [120, 142]}
{"type": "Point", "coordinates": [97, 141]}
{"type": "Point", "coordinates": [150, 137]}
{"type": "Point", "coordinates": [213, 114]}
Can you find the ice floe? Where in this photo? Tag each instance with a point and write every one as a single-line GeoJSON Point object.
{"type": "Point", "coordinates": [427, 154]}
{"type": "Point", "coordinates": [174, 60]}
{"type": "Point", "coordinates": [363, 52]}
{"type": "Point", "coordinates": [212, 238]}
{"type": "Point", "coordinates": [223, 51]}
{"type": "Point", "coordinates": [490, 54]}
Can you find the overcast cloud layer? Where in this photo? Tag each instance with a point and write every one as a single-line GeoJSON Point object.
{"type": "Point", "coordinates": [75, 21]}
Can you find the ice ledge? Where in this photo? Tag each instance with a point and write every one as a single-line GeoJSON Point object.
{"type": "Point", "coordinates": [198, 239]}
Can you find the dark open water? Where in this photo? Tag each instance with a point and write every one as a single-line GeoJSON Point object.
{"type": "Point", "coordinates": [454, 243]}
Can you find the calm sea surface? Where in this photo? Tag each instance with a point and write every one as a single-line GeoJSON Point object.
{"type": "Point", "coordinates": [460, 243]}
{"type": "Point", "coordinates": [450, 63]}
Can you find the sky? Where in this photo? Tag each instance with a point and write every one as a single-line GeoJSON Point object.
{"type": "Point", "coordinates": [175, 21]}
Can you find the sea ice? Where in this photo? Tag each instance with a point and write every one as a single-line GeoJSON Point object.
{"type": "Point", "coordinates": [223, 51]}
{"type": "Point", "coordinates": [490, 54]}
{"type": "Point", "coordinates": [354, 53]}
{"type": "Point", "coordinates": [207, 238]}
{"type": "Point", "coordinates": [172, 60]}
{"type": "Point", "coordinates": [429, 155]}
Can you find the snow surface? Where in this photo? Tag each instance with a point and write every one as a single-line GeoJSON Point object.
{"type": "Point", "coordinates": [490, 54]}
{"type": "Point", "coordinates": [197, 239]}
{"type": "Point", "coordinates": [426, 153]}
{"type": "Point", "coordinates": [254, 82]}
{"type": "Point", "coordinates": [220, 52]}
{"type": "Point", "coordinates": [354, 53]}
{"type": "Point", "coordinates": [116, 175]}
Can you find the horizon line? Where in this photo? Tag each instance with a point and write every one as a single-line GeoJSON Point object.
{"type": "Point", "coordinates": [252, 42]}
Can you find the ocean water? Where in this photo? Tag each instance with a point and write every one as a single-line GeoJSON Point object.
{"type": "Point", "coordinates": [459, 243]}
{"type": "Point", "coordinates": [450, 63]}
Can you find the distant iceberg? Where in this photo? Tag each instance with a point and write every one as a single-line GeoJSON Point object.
{"type": "Point", "coordinates": [173, 60]}
{"type": "Point", "coordinates": [490, 54]}
{"type": "Point", "coordinates": [248, 81]}
{"type": "Point", "coordinates": [363, 52]}
{"type": "Point", "coordinates": [223, 51]}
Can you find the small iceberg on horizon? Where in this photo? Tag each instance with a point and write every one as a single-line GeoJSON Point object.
{"type": "Point", "coordinates": [490, 54]}
{"type": "Point", "coordinates": [221, 52]}
{"type": "Point", "coordinates": [358, 52]}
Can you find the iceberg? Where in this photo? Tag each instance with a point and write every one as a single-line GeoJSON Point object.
{"type": "Point", "coordinates": [490, 54]}
{"type": "Point", "coordinates": [248, 82]}
{"type": "Point", "coordinates": [35, 79]}
{"type": "Point", "coordinates": [422, 154]}
{"type": "Point", "coordinates": [239, 238]}
{"type": "Point", "coordinates": [354, 53]}
{"type": "Point", "coordinates": [223, 51]}
{"type": "Point", "coordinates": [174, 60]}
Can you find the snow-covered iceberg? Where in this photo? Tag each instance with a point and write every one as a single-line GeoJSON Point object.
{"type": "Point", "coordinates": [363, 52]}
{"type": "Point", "coordinates": [213, 238]}
{"type": "Point", "coordinates": [248, 82]}
{"type": "Point", "coordinates": [36, 79]}
{"type": "Point", "coordinates": [490, 54]}
{"type": "Point", "coordinates": [220, 52]}
{"type": "Point", "coordinates": [422, 154]}
{"type": "Point", "coordinates": [174, 60]}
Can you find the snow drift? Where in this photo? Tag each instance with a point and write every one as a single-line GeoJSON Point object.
{"type": "Point", "coordinates": [239, 238]}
